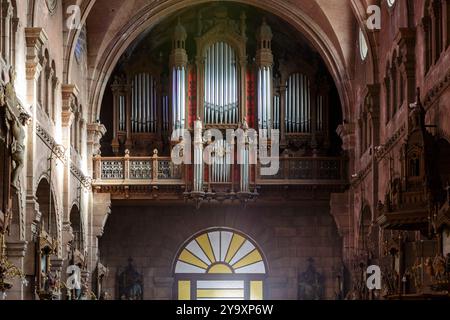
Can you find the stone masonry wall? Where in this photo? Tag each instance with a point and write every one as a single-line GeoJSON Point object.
{"type": "Point", "coordinates": [288, 236]}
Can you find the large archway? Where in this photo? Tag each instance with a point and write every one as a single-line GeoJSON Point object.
{"type": "Point", "coordinates": [319, 30]}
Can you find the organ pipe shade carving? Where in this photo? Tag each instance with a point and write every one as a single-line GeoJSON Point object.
{"type": "Point", "coordinates": [265, 97]}
{"type": "Point", "coordinates": [179, 97]}
{"type": "Point", "coordinates": [144, 104]}
{"type": "Point", "coordinates": [298, 104]}
{"type": "Point", "coordinates": [221, 85]}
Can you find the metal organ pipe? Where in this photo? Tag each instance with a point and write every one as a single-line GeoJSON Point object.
{"type": "Point", "coordinates": [145, 105]}
{"type": "Point", "coordinates": [260, 124]}
{"type": "Point", "coordinates": [220, 84]}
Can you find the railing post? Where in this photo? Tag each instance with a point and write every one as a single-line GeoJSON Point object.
{"type": "Point", "coordinates": [155, 166]}
{"type": "Point", "coordinates": [126, 165]}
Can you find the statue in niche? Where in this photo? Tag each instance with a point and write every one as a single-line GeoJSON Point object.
{"type": "Point", "coordinates": [130, 283]}
{"type": "Point", "coordinates": [311, 286]}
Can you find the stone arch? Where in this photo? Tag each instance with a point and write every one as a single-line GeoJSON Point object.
{"type": "Point", "coordinates": [147, 17]}
{"type": "Point", "coordinates": [76, 222]}
{"type": "Point", "coordinates": [365, 223]}
{"type": "Point", "coordinates": [48, 215]}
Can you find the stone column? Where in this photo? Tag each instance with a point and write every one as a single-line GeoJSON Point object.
{"type": "Point", "coordinates": [69, 96]}
{"type": "Point", "coordinates": [15, 251]}
{"type": "Point", "coordinates": [100, 208]}
{"type": "Point", "coordinates": [35, 39]}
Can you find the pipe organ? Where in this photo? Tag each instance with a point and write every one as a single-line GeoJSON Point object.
{"type": "Point", "coordinates": [144, 106]}
{"type": "Point", "coordinates": [221, 85]}
{"type": "Point", "coordinates": [282, 95]}
{"type": "Point", "coordinates": [298, 104]}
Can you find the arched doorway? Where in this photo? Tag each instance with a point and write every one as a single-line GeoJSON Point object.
{"type": "Point", "coordinates": [220, 264]}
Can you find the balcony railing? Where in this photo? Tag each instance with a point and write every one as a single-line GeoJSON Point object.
{"type": "Point", "coordinates": [305, 170]}
{"type": "Point", "coordinates": [136, 170]}
{"type": "Point", "coordinates": [158, 170]}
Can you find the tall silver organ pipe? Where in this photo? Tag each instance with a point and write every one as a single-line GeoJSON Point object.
{"type": "Point", "coordinates": [221, 98]}
{"type": "Point", "coordinates": [122, 114]}
{"type": "Point", "coordinates": [265, 96]}
{"type": "Point", "coordinates": [276, 112]}
{"type": "Point", "coordinates": [198, 157]}
{"type": "Point", "coordinates": [144, 104]}
{"type": "Point", "coordinates": [178, 97]}
{"type": "Point", "coordinates": [245, 169]}
{"type": "Point", "coordinates": [298, 104]}
{"type": "Point", "coordinates": [220, 167]}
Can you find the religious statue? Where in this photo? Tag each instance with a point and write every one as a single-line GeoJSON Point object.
{"type": "Point", "coordinates": [18, 147]}
{"type": "Point", "coordinates": [310, 284]}
{"type": "Point", "coordinates": [439, 268]}
{"type": "Point", "coordinates": [130, 283]}
{"type": "Point", "coordinates": [14, 124]}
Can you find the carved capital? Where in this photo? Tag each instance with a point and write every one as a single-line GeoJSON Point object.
{"type": "Point", "coordinates": [95, 132]}
{"type": "Point", "coordinates": [69, 92]}
{"type": "Point", "coordinates": [346, 132]}
{"type": "Point", "coordinates": [16, 249]}
{"type": "Point", "coordinates": [35, 37]}
{"type": "Point", "coordinates": [67, 117]}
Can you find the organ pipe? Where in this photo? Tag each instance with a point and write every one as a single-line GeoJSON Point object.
{"type": "Point", "coordinates": [220, 84]}
{"type": "Point", "coordinates": [298, 104]}
{"type": "Point", "coordinates": [198, 157]}
{"type": "Point", "coordinates": [179, 97]}
{"type": "Point", "coordinates": [144, 104]}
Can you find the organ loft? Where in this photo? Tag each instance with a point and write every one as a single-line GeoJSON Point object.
{"type": "Point", "coordinates": [217, 150]}
{"type": "Point", "coordinates": [222, 70]}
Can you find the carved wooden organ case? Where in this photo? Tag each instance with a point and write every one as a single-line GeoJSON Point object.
{"type": "Point", "coordinates": [220, 87]}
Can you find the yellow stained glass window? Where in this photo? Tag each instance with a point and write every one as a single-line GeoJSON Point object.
{"type": "Point", "coordinates": [219, 253]}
